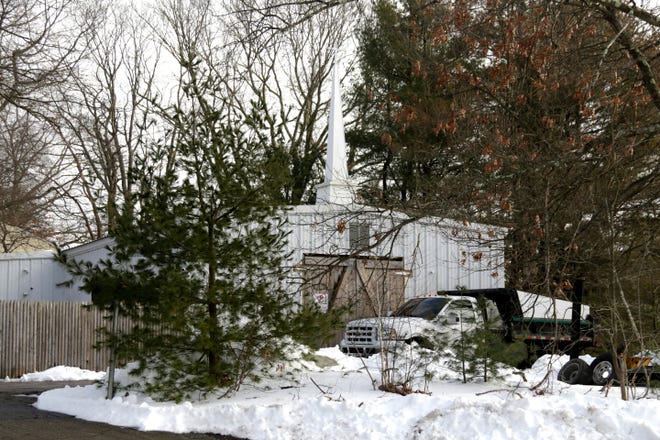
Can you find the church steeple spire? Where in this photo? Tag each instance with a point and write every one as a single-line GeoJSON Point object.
{"type": "Point", "coordinates": [335, 188]}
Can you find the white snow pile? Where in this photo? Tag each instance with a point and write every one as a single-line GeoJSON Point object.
{"type": "Point", "coordinates": [335, 399]}
{"type": "Point", "coordinates": [60, 373]}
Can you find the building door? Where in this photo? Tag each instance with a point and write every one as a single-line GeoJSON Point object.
{"type": "Point", "coordinates": [362, 286]}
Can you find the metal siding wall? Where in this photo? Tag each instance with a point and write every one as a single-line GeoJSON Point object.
{"type": "Point", "coordinates": [9, 270]}
{"type": "Point", "coordinates": [35, 273]}
{"type": "Point", "coordinates": [432, 251]}
{"type": "Point", "coordinates": [36, 278]}
{"type": "Point", "coordinates": [93, 255]}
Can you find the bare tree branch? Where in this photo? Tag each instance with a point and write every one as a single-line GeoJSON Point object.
{"type": "Point", "coordinates": [627, 7]}
{"type": "Point", "coordinates": [642, 62]}
{"type": "Point", "coordinates": [40, 43]}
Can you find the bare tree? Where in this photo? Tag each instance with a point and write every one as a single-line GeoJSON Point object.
{"type": "Point", "coordinates": [268, 17]}
{"type": "Point", "coordinates": [273, 76]}
{"type": "Point", "coordinates": [282, 67]}
{"type": "Point", "coordinates": [26, 179]}
{"type": "Point", "coordinates": [629, 7]}
{"type": "Point", "coordinates": [627, 20]}
{"type": "Point", "coordinates": [105, 115]}
{"type": "Point", "coordinates": [40, 43]}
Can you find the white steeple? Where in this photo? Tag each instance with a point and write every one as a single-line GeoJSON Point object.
{"type": "Point", "coordinates": [336, 188]}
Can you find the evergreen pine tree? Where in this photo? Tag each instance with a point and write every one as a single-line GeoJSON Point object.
{"type": "Point", "coordinates": [197, 261]}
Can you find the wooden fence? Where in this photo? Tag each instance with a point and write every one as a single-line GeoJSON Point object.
{"type": "Point", "coordinates": [35, 336]}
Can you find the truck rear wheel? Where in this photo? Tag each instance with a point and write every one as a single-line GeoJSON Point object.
{"type": "Point", "coordinates": [603, 369]}
{"type": "Point", "coordinates": [575, 372]}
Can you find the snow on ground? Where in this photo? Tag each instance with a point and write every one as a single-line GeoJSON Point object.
{"type": "Point", "coordinates": [60, 373]}
{"type": "Point", "coordinates": [305, 401]}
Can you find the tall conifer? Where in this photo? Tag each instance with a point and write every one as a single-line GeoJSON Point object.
{"type": "Point", "coordinates": [198, 258]}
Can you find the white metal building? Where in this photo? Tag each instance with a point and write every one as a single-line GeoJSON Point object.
{"type": "Point", "coordinates": [437, 254]}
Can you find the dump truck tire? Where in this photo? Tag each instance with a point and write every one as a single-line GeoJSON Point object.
{"type": "Point", "coordinates": [602, 369]}
{"type": "Point", "coordinates": [575, 372]}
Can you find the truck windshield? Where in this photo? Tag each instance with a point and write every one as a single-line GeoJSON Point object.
{"type": "Point", "coordinates": [427, 308]}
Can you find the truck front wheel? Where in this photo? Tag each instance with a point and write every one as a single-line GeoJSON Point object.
{"type": "Point", "coordinates": [575, 372]}
{"type": "Point", "coordinates": [603, 369]}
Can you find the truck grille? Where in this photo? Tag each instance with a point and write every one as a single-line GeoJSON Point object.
{"type": "Point", "coordinates": [357, 335]}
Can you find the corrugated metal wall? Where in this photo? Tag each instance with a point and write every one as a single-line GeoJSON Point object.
{"type": "Point", "coordinates": [35, 336]}
{"type": "Point", "coordinates": [441, 254]}
{"type": "Point", "coordinates": [35, 276]}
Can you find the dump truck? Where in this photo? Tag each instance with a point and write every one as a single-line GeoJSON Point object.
{"type": "Point", "coordinates": [544, 324]}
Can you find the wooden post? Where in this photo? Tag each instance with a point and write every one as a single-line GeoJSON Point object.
{"type": "Point", "coordinates": [113, 352]}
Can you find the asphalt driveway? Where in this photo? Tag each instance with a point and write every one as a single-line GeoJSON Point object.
{"type": "Point", "coordinates": [20, 420]}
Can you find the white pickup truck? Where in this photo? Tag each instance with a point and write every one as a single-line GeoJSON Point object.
{"type": "Point", "coordinates": [543, 323]}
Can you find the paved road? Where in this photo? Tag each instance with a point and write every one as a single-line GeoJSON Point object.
{"type": "Point", "coordinates": [20, 420]}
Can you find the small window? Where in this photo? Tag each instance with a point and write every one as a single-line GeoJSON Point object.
{"type": "Point", "coordinates": [463, 310]}
{"type": "Point", "coordinates": [358, 236]}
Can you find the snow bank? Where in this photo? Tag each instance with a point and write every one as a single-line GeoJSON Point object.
{"type": "Point", "coordinates": [338, 401]}
{"type": "Point", "coordinates": [60, 373]}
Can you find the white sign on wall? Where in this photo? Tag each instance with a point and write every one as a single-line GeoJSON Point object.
{"type": "Point", "coordinates": [322, 301]}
